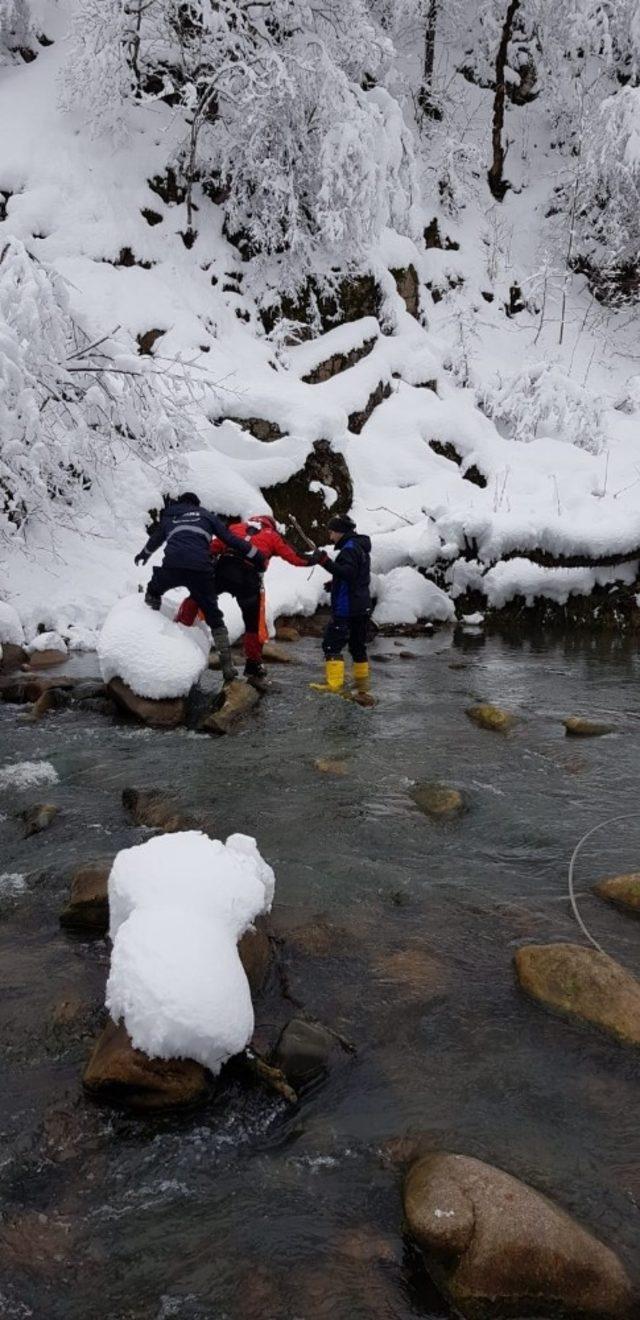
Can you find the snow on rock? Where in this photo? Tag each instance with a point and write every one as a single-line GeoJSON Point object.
{"type": "Point", "coordinates": [154, 656]}
{"type": "Point", "coordinates": [11, 629]}
{"type": "Point", "coordinates": [27, 774]}
{"type": "Point", "coordinates": [47, 641]}
{"type": "Point", "coordinates": [178, 906]}
{"type": "Point", "coordinates": [519, 577]}
{"type": "Point", "coordinates": [405, 596]}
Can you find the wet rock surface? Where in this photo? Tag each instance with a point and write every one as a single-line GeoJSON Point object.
{"type": "Point", "coordinates": [38, 818]}
{"type": "Point", "coordinates": [306, 1051]}
{"type": "Point", "coordinates": [236, 700]}
{"type": "Point", "coordinates": [437, 799]}
{"type": "Point", "coordinates": [167, 714]}
{"type": "Point", "coordinates": [487, 716]}
{"type": "Point", "coordinates": [582, 983]}
{"type": "Point", "coordinates": [88, 904]}
{"type": "Point", "coordinates": [156, 810]}
{"type": "Point", "coordinates": [576, 726]}
{"type": "Point", "coordinates": [498, 1248]}
{"type": "Point", "coordinates": [119, 1073]}
{"type": "Point", "coordinates": [623, 891]}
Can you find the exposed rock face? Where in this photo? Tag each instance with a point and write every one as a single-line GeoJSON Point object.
{"type": "Point", "coordinates": [304, 1052]}
{"type": "Point", "coordinates": [157, 811]}
{"type": "Point", "coordinates": [582, 983]}
{"type": "Point", "coordinates": [255, 955]}
{"type": "Point", "coordinates": [236, 699]}
{"type": "Point", "coordinates": [119, 1073]}
{"type": "Point", "coordinates": [623, 891]}
{"type": "Point", "coordinates": [38, 818]}
{"type": "Point", "coordinates": [408, 286]}
{"type": "Point", "coordinates": [323, 465]}
{"type": "Point", "coordinates": [354, 297]}
{"type": "Point", "coordinates": [491, 717]}
{"type": "Point", "coordinates": [259, 427]}
{"type": "Point", "coordinates": [88, 905]}
{"type": "Point", "coordinates": [577, 727]}
{"type": "Point", "coordinates": [498, 1248]}
{"type": "Point", "coordinates": [358, 419]}
{"type": "Point", "coordinates": [339, 362]}
{"type": "Point", "coordinates": [437, 799]}
{"type": "Point", "coordinates": [165, 714]}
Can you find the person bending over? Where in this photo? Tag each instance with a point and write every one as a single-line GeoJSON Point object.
{"type": "Point", "coordinates": [186, 529]}
{"type": "Point", "coordinates": [350, 604]}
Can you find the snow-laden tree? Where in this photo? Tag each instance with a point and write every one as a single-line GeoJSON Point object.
{"type": "Point", "coordinates": [69, 410]}
{"type": "Point", "coordinates": [541, 400]}
{"type": "Point", "coordinates": [281, 108]}
{"type": "Point", "coordinates": [608, 196]}
{"type": "Point", "coordinates": [16, 33]}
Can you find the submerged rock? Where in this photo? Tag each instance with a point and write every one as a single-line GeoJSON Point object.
{"type": "Point", "coordinates": [38, 818]}
{"type": "Point", "coordinates": [304, 1051]}
{"type": "Point", "coordinates": [157, 811]}
{"type": "Point", "coordinates": [577, 727]}
{"type": "Point", "coordinates": [437, 799]}
{"type": "Point", "coordinates": [329, 766]}
{"type": "Point", "coordinates": [491, 717]}
{"type": "Point", "coordinates": [236, 700]}
{"type": "Point", "coordinates": [497, 1248]}
{"type": "Point", "coordinates": [582, 983]}
{"type": "Point", "coordinates": [167, 713]}
{"type": "Point", "coordinates": [116, 1071]}
{"type": "Point", "coordinates": [88, 904]}
{"type": "Point", "coordinates": [623, 891]}
{"type": "Point", "coordinates": [414, 971]}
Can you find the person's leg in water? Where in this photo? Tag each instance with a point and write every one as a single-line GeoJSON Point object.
{"type": "Point", "coordinates": [334, 641]}
{"type": "Point", "coordinates": [358, 648]}
{"type": "Point", "coordinates": [203, 587]}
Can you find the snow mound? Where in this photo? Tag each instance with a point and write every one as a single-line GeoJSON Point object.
{"type": "Point", "coordinates": [47, 641]}
{"type": "Point", "coordinates": [178, 904]}
{"type": "Point", "coordinates": [405, 596]}
{"type": "Point", "coordinates": [27, 774]}
{"type": "Point", "coordinates": [156, 657]}
{"type": "Point", "coordinates": [11, 629]}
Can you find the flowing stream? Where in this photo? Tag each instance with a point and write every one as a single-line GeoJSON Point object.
{"type": "Point", "coordinates": [397, 930]}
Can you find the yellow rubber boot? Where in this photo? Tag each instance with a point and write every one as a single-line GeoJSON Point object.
{"type": "Point", "coordinates": [361, 675]}
{"type": "Point", "coordinates": [334, 677]}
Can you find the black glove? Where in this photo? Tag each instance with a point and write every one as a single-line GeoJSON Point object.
{"type": "Point", "coordinates": [259, 562]}
{"type": "Point", "coordinates": [318, 557]}
{"type": "Point", "coordinates": [326, 586]}
{"type": "Point", "coordinates": [141, 557]}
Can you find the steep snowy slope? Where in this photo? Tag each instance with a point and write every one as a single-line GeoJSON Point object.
{"type": "Point", "coordinates": [431, 411]}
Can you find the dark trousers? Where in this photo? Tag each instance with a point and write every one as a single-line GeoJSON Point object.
{"type": "Point", "coordinates": [243, 583]}
{"type": "Point", "coordinates": [200, 583]}
{"type": "Point", "coordinates": [350, 631]}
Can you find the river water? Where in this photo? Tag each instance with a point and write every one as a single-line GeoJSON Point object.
{"type": "Point", "coordinates": [397, 930]}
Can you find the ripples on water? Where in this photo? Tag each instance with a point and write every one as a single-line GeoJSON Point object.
{"type": "Point", "coordinates": [397, 930]}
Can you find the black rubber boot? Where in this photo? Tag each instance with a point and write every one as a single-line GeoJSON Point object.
{"type": "Point", "coordinates": [254, 669]}
{"type": "Point", "coordinates": [154, 602]}
{"type": "Point", "coordinates": [223, 647]}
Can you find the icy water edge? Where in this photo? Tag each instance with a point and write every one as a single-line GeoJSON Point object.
{"type": "Point", "coordinates": [397, 930]}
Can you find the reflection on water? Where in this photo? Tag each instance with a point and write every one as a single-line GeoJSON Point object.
{"type": "Point", "coordinates": [397, 930]}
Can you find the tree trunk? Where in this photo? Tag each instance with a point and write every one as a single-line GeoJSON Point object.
{"type": "Point", "coordinates": [495, 176]}
{"type": "Point", "coordinates": [425, 94]}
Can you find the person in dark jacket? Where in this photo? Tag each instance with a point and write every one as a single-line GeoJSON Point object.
{"type": "Point", "coordinates": [350, 605]}
{"type": "Point", "coordinates": [186, 529]}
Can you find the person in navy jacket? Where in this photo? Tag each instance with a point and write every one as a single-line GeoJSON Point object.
{"type": "Point", "coordinates": [186, 530]}
{"type": "Point", "coordinates": [350, 604]}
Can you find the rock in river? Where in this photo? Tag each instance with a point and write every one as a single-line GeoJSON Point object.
{"type": "Point", "coordinates": [497, 1248]}
{"type": "Point", "coordinates": [437, 799]}
{"type": "Point", "coordinates": [304, 1051]}
{"type": "Point", "coordinates": [491, 717]}
{"type": "Point", "coordinates": [38, 818]}
{"type": "Point", "coordinates": [580, 982]}
{"type": "Point", "coordinates": [166, 713]}
{"type": "Point", "coordinates": [577, 727]}
{"type": "Point", "coordinates": [88, 905]}
{"type": "Point", "coordinates": [118, 1072]}
{"type": "Point", "coordinates": [236, 699]}
{"type": "Point", "coordinates": [157, 811]}
{"type": "Point", "coordinates": [623, 891]}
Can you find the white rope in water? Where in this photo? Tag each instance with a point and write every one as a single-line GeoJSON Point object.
{"type": "Point", "coordinates": [628, 815]}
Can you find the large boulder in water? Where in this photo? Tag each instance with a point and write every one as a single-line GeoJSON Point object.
{"type": "Point", "coordinates": [88, 904]}
{"type": "Point", "coordinates": [582, 983]}
{"type": "Point", "coordinates": [235, 701]}
{"type": "Point", "coordinates": [487, 716]}
{"type": "Point", "coordinates": [623, 891]}
{"type": "Point", "coordinates": [150, 662]}
{"type": "Point", "coordinates": [497, 1248]}
{"type": "Point", "coordinates": [117, 1072]}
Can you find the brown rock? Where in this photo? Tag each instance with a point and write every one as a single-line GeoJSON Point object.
{"type": "Point", "coordinates": [36, 1243]}
{"type": "Point", "coordinates": [491, 717]}
{"type": "Point", "coordinates": [580, 982]}
{"type": "Point", "coordinates": [38, 818]}
{"type": "Point", "coordinates": [408, 287]}
{"type": "Point", "coordinates": [497, 1248]}
{"type": "Point", "coordinates": [119, 1073]}
{"type": "Point", "coordinates": [285, 632]}
{"type": "Point", "coordinates": [437, 799]}
{"type": "Point", "coordinates": [47, 659]}
{"type": "Point", "coordinates": [88, 905]}
{"type": "Point", "coordinates": [577, 727]}
{"type": "Point", "coordinates": [623, 891]}
{"type": "Point", "coordinates": [274, 655]}
{"type": "Point", "coordinates": [236, 700]}
{"type": "Point", "coordinates": [164, 714]}
{"type": "Point", "coordinates": [328, 766]}
{"type": "Point", "coordinates": [157, 811]}
{"type": "Point", "coordinates": [304, 1051]}
{"type": "Point", "coordinates": [25, 687]}
{"type": "Point", "coordinates": [255, 955]}
{"type": "Point", "coordinates": [12, 657]}
{"type": "Point", "coordinates": [417, 972]}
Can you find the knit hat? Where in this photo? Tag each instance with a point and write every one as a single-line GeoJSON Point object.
{"type": "Point", "coordinates": [341, 523]}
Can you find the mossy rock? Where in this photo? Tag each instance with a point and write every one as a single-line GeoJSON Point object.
{"type": "Point", "coordinates": [582, 983]}
{"type": "Point", "coordinates": [437, 799]}
{"type": "Point", "coordinates": [623, 891]}
{"type": "Point", "coordinates": [577, 727]}
{"type": "Point", "coordinates": [487, 716]}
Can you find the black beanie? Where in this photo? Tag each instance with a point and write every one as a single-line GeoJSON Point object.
{"type": "Point", "coordinates": [341, 523]}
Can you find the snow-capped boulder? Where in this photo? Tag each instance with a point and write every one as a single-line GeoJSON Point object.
{"type": "Point", "coordinates": [154, 656]}
{"type": "Point", "coordinates": [11, 629]}
{"type": "Point", "coordinates": [405, 596]}
{"type": "Point", "coordinates": [178, 906]}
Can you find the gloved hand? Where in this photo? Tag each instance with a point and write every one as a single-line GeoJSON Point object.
{"type": "Point", "coordinates": [319, 557]}
{"type": "Point", "coordinates": [141, 557]}
{"type": "Point", "coordinates": [326, 586]}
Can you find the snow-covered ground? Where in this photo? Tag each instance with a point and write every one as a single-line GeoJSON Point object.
{"type": "Point", "coordinates": [549, 428]}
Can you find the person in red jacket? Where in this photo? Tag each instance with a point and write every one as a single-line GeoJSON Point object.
{"type": "Point", "coordinates": [245, 584]}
